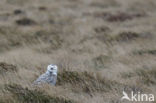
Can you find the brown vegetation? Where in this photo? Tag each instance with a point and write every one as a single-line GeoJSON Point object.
{"type": "Point", "coordinates": [101, 47]}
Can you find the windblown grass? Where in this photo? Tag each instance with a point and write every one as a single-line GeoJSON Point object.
{"type": "Point", "coordinates": [125, 36]}
{"type": "Point", "coordinates": [146, 76]}
{"type": "Point", "coordinates": [4, 67]}
{"type": "Point", "coordinates": [25, 95]}
{"type": "Point", "coordinates": [86, 82]}
{"type": "Point", "coordinates": [142, 52]}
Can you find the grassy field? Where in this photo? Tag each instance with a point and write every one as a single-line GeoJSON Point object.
{"type": "Point", "coordinates": [101, 47]}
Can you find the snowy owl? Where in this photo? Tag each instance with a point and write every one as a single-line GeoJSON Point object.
{"type": "Point", "coordinates": [50, 76]}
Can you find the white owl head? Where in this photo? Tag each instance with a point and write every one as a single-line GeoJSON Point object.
{"type": "Point", "coordinates": [52, 69]}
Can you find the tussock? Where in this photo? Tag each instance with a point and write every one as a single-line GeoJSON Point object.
{"type": "Point", "coordinates": [4, 67]}
{"type": "Point", "coordinates": [101, 29]}
{"type": "Point", "coordinates": [118, 16]}
{"type": "Point", "coordinates": [142, 52]}
{"type": "Point", "coordinates": [125, 36]}
{"type": "Point", "coordinates": [25, 22]}
{"type": "Point", "coordinates": [100, 61]}
{"type": "Point", "coordinates": [146, 76]}
{"type": "Point", "coordinates": [18, 11]}
{"type": "Point", "coordinates": [85, 81]}
{"type": "Point", "coordinates": [25, 95]}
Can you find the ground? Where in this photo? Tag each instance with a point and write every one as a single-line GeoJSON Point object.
{"type": "Point", "coordinates": [101, 47]}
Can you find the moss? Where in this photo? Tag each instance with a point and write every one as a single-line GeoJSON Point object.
{"type": "Point", "coordinates": [25, 95]}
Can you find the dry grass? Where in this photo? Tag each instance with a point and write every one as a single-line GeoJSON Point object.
{"type": "Point", "coordinates": [97, 45]}
{"type": "Point", "coordinates": [26, 95]}
{"type": "Point", "coordinates": [146, 76]}
{"type": "Point", "coordinates": [142, 52]}
{"type": "Point", "coordinates": [126, 36]}
{"type": "Point", "coordinates": [86, 82]}
{"type": "Point", "coordinates": [25, 22]}
{"type": "Point", "coordinates": [4, 67]}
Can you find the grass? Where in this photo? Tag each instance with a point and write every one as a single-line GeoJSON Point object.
{"type": "Point", "coordinates": [127, 75]}
{"type": "Point", "coordinates": [18, 12]}
{"type": "Point", "coordinates": [101, 29]}
{"type": "Point", "coordinates": [11, 34]}
{"type": "Point", "coordinates": [25, 22]}
{"type": "Point", "coordinates": [100, 61]}
{"type": "Point", "coordinates": [146, 76]}
{"type": "Point", "coordinates": [119, 16]}
{"type": "Point", "coordinates": [35, 33]}
{"type": "Point", "coordinates": [4, 67]}
{"type": "Point", "coordinates": [125, 36]}
{"type": "Point", "coordinates": [50, 37]}
{"type": "Point", "coordinates": [85, 81]}
{"type": "Point", "coordinates": [123, 16]}
{"type": "Point", "coordinates": [142, 52]}
{"type": "Point", "coordinates": [25, 95]}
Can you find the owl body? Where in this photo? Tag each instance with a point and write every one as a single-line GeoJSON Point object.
{"type": "Point", "coordinates": [49, 77]}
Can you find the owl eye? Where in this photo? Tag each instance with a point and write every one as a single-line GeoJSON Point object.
{"type": "Point", "coordinates": [51, 68]}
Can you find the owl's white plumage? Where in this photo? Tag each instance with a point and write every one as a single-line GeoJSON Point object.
{"type": "Point", "coordinates": [49, 77]}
